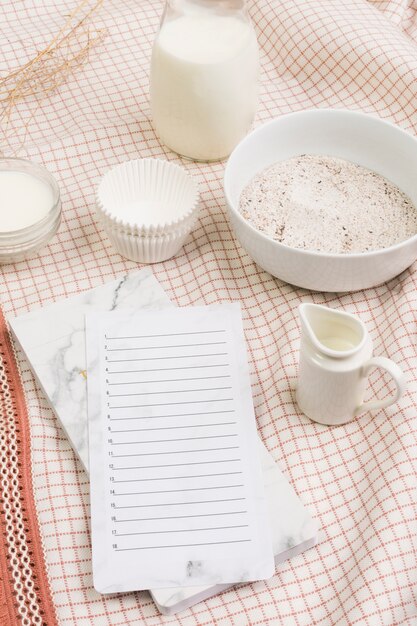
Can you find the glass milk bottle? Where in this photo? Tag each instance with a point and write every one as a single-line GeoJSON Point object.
{"type": "Point", "coordinates": [204, 76]}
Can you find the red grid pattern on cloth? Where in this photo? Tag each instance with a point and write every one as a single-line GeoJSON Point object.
{"type": "Point", "coordinates": [359, 480]}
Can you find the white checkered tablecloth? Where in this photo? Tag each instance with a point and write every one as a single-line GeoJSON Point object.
{"type": "Point", "coordinates": [358, 480]}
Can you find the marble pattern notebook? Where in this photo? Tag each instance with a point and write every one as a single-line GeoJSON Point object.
{"type": "Point", "coordinates": [53, 340]}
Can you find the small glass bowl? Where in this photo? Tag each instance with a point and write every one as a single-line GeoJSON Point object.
{"type": "Point", "coordinates": [16, 245]}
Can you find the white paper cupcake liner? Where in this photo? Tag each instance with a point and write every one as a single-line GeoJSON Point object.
{"type": "Point", "coordinates": [146, 196]}
{"type": "Point", "coordinates": [152, 231]}
{"type": "Point", "coordinates": [148, 248]}
{"type": "Point", "coordinates": [147, 208]}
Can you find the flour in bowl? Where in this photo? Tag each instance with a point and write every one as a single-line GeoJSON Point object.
{"type": "Point", "coordinates": [328, 204]}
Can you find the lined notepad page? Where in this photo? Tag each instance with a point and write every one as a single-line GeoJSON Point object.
{"type": "Point", "coordinates": [176, 485]}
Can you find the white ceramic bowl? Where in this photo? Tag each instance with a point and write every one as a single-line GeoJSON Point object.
{"type": "Point", "coordinates": [147, 207]}
{"type": "Point", "coordinates": [357, 137]}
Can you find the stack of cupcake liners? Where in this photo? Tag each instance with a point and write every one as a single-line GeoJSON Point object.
{"type": "Point", "coordinates": [147, 208]}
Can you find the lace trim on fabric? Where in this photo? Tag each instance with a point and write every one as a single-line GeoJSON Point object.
{"type": "Point", "coordinates": [23, 578]}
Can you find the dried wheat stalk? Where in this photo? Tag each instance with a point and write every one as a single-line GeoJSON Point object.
{"type": "Point", "coordinates": [49, 68]}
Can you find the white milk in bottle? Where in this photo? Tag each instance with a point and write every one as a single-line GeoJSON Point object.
{"type": "Point", "coordinates": [204, 82]}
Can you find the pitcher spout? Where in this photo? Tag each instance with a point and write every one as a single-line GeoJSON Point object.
{"type": "Point", "coordinates": [333, 333]}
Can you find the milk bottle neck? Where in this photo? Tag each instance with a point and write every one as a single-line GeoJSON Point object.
{"type": "Point", "coordinates": [174, 8]}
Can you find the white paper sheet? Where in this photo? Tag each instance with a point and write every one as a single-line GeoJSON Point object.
{"type": "Point", "coordinates": [176, 486]}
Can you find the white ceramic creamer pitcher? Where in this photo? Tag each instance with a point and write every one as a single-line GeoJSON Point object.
{"type": "Point", "coordinates": [335, 360]}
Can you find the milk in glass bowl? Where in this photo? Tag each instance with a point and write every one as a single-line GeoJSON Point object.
{"type": "Point", "coordinates": [30, 209]}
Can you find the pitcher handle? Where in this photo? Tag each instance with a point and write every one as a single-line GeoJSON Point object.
{"type": "Point", "coordinates": [398, 376]}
